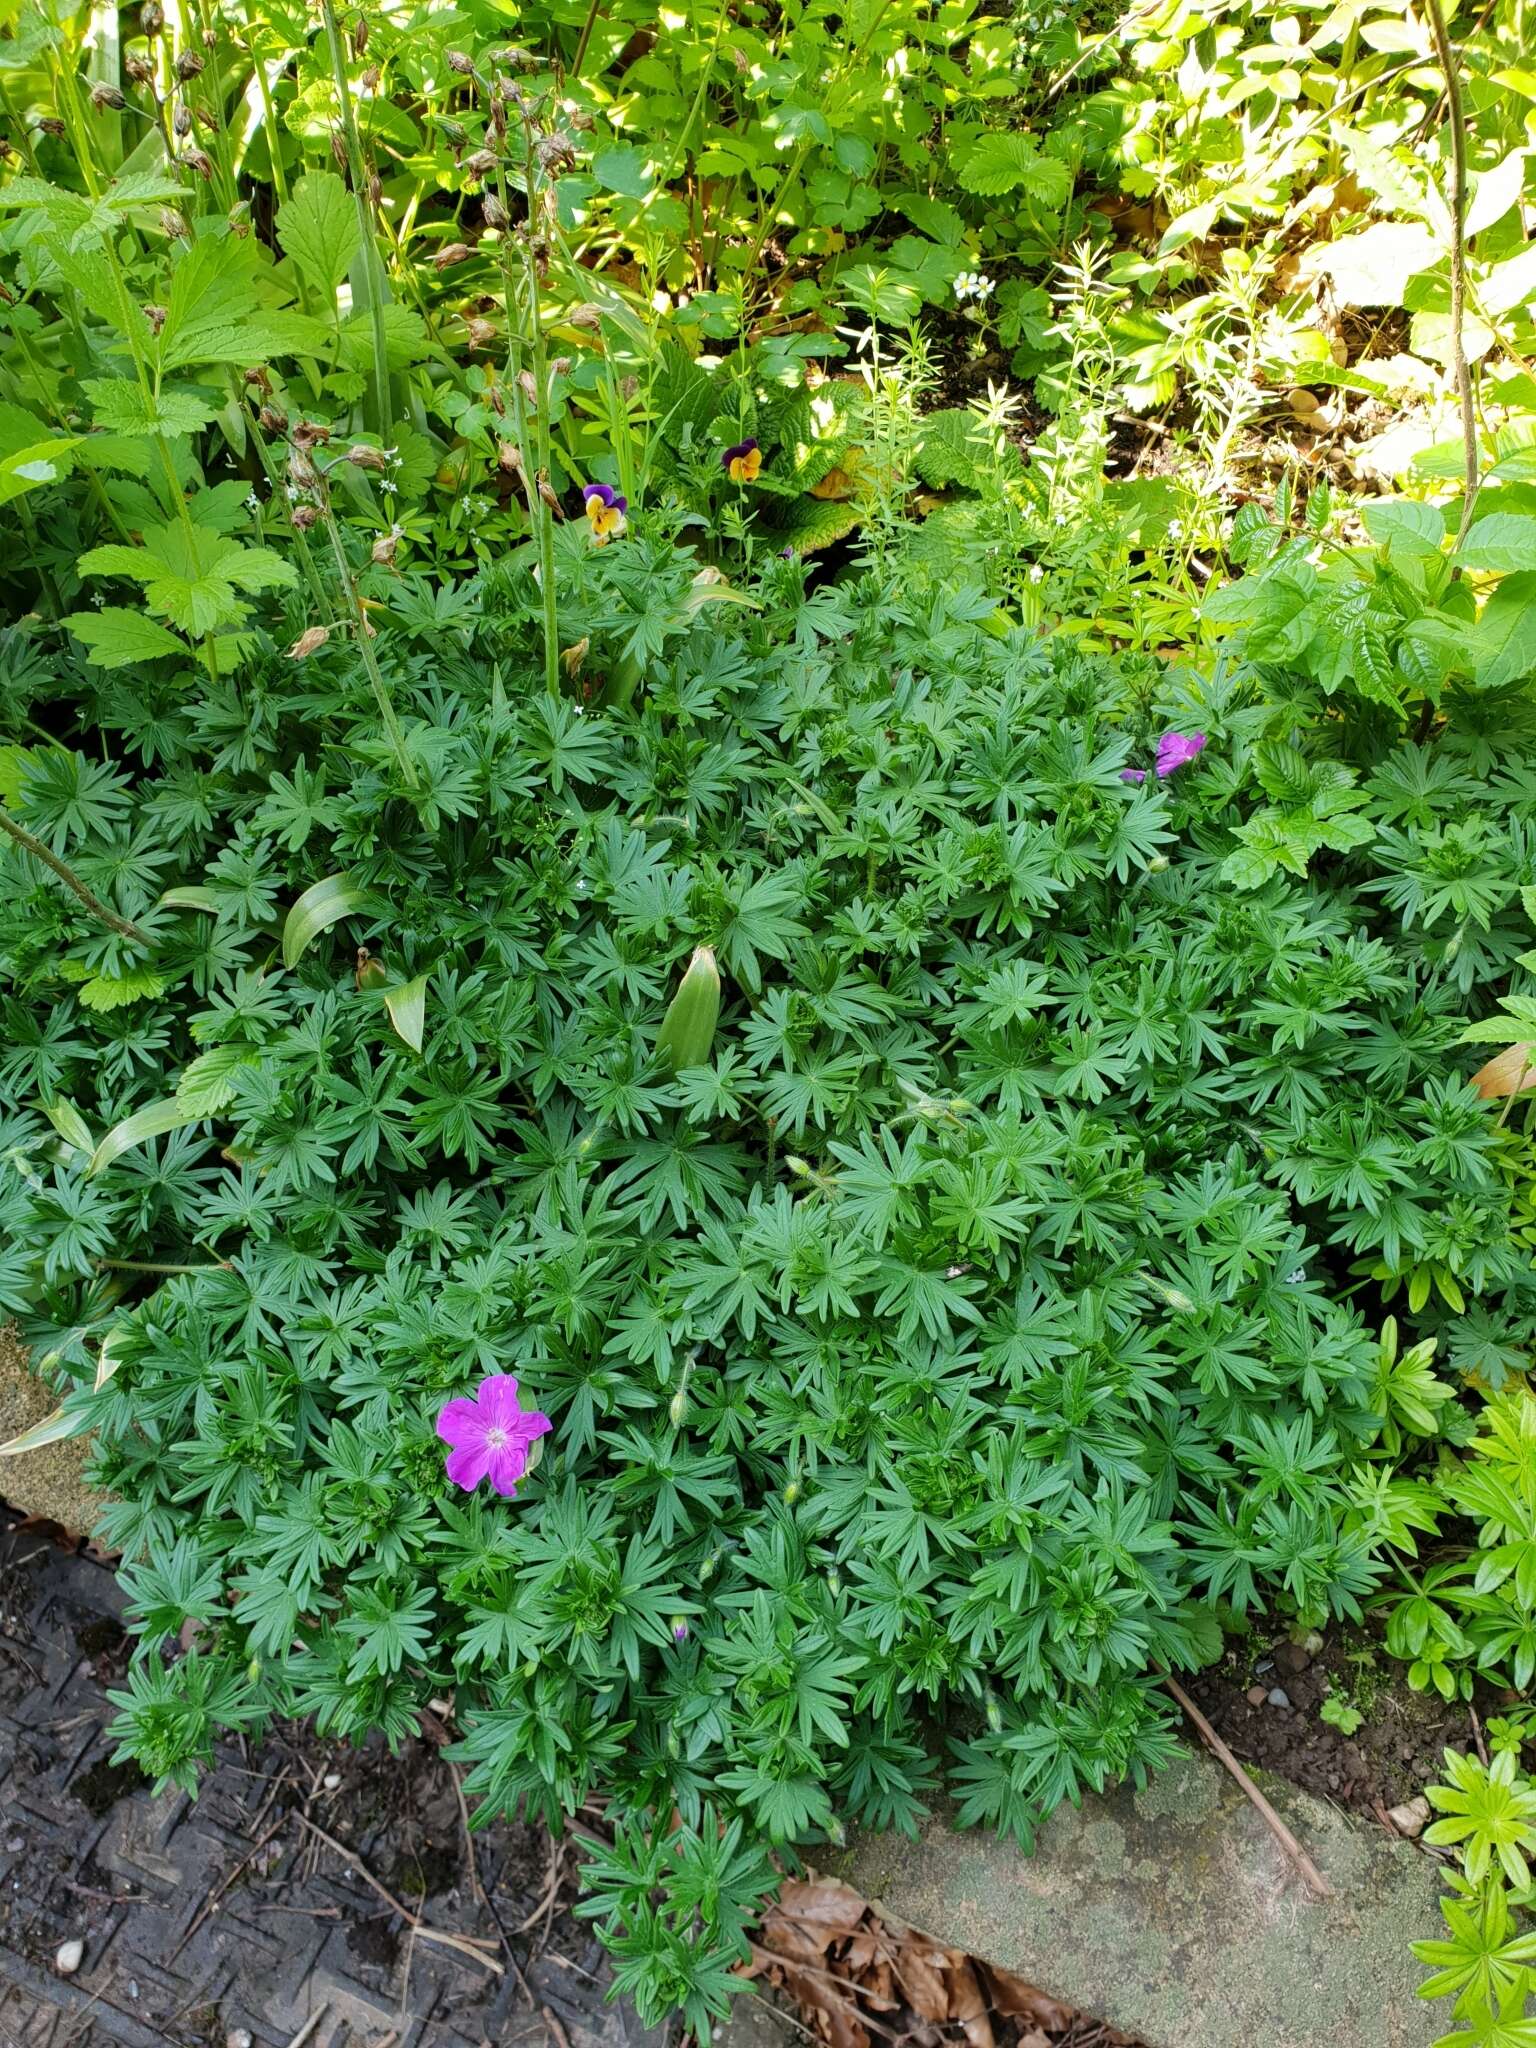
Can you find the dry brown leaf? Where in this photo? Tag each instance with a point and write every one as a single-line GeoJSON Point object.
{"type": "Point", "coordinates": [1018, 1999]}
{"type": "Point", "coordinates": [1034, 2039]}
{"type": "Point", "coordinates": [1510, 1072]}
{"type": "Point", "coordinates": [919, 1972]}
{"type": "Point", "coordinates": [966, 2005]}
{"type": "Point", "coordinates": [833, 2012]}
{"type": "Point", "coordinates": [809, 1916]}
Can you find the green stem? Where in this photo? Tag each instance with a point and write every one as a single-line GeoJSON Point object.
{"type": "Point", "coordinates": [363, 631]}
{"type": "Point", "coordinates": [594, 9]}
{"type": "Point", "coordinates": [124, 926]}
{"type": "Point", "coordinates": [155, 1266]}
{"type": "Point", "coordinates": [369, 253]}
{"type": "Point", "coordinates": [1446, 58]}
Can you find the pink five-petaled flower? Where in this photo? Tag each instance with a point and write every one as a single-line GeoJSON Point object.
{"type": "Point", "coordinates": [605, 512]}
{"type": "Point", "coordinates": [1174, 750]}
{"type": "Point", "coordinates": [490, 1435]}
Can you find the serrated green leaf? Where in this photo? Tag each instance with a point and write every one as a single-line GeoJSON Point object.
{"type": "Point", "coordinates": [1001, 162]}
{"type": "Point", "coordinates": [1501, 541]}
{"type": "Point", "coordinates": [115, 992]}
{"type": "Point", "coordinates": [114, 637]}
{"type": "Point", "coordinates": [120, 407]}
{"type": "Point", "coordinates": [317, 227]}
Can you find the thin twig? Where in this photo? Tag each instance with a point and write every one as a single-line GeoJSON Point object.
{"type": "Point", "coordinates": [309, 2026]}
{"type": "Point", "coordinates": [124, 926]}
{"type": "Point", "coordinates": [1477, 1735]}
{"type": "Point", "coordinates": [1311, 1876]}
{"type": "Point", "coordinates": [1445, 56]}
{"type": "Point", "coordinates": [464, 1944]}
{"type": "Point", "coordinates": [480, 1891]}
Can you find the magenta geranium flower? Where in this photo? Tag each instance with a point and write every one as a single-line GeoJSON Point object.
{"type": "Point", "coordinates": [1174, 750]}
{"type": "Point", "coordinates": [490, 1435]}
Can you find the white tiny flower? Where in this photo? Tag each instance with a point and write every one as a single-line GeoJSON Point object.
{"type": "Point", "coordinates": [1175, 529]}
{"type": "Point", "coordinates": [1036, 573]}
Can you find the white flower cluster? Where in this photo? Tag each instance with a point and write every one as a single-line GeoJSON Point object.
{"type": "Point", "coordinates": [972, 284]}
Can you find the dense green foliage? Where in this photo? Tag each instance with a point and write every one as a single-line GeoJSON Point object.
{"type": "Point", "coordinates": [745, 961]}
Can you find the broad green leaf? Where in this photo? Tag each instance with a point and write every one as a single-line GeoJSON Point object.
{"type": "Point", "coordinates": [1373, 267]}
{"type": "Point", "coordinates": [1405, 523]}
{"type": "Point", "coordinates": [119, 406]}
{"type": "Point", "coordinates": [1006, 162]}
{"type": "Point", "coordinates": [624, 169]}
{"type": "Point", "coordinates": [27, 469]}
{"type": "Point", "coordinates": [407, 1007]}
{"type": "Point", "coordinates": [317, 227]}
{"type": "Point", "coordinates": [207, 1085]}
{"type": "Point", "coordinates": [153, 1121]}
{"type": "Point", "coordinates": [115, 637]}
{"type": "Point", "coordinates": [322, 905]}
{"type": "Point", "coordinates": [190, 897]}
{"type": "Point", "coordinates": [1503, 643]}
{"type": "Point", "coordinates": [1502, 541]}
{"type": "Point", "coordinates": [1494, 192]}
{"type": "Point", "coordinates": [70, 1124]}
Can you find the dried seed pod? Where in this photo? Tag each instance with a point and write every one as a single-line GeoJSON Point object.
{"type": "Point", "coordinates": [360, 35]}
{"type": "Point", "coordinates": [375, 190]}
{"type": "Point", "coordinates": [181, 120]}
{"type": "Point", "coordinates": [50, 124]}
{"type": "Point", "coordinates": [383, 550]}
{"type": "Point", "coordinates": [174, 224]}
{"type": "Point", "coordinates": [457, 61]}
{"type": "Point", "coordinates": [210, 39]}
{"type": "Point", "coordinates": [189, 65]}
{"type": "Point", "coordinates": [547, 493]}
{"type": "Point", "coordinates": [481, 332]}
{"type": "Point", "coordinates": [138, 68]}
{"type": "Point", "coordinates": [588, 318]}
{"type": "Point", "coordinates": [200, 161]}
{"type": "Point", "coordinates": [151, 17]}
{"type": "Point", "coordinates": [559, 366]}
{"type": "Point", "coordinates": [338, 151]}
{"type": "Point", "coordinates": [556, 152]}
{"type": "Point", "coordinates": [310, 434]}
{"type": "Point", "coordinates": [304, 517]}
{"type": "Point", "coordinates": [529, 385]}
{"type": "Point", "coordinates": [308, 642]}
{"type": "Point", "coordinates": [362, 456]}
{"type": "Point", "coordinates": [493, 212]}
{"type": "Point", "coordinates": [482, 162]}
{"type": "Point", "coordinates": [107, 98]}
{"type": "Point", "coordinates": [370, 78]}
{"type": "Point", "coordinates": [571, 658]}
{"type": "Point", "coordinates": [274, 419]}
{"type": "Point", "coordinates": [510, 457]}
{"type": "Point", "coordinates": [258, 378]}
{"type": "Point", "coordinates": [156, 316]}
{"type": "Point", "coordinates": [451, 253]}
{"type": "Point", "coordinates": [454, 133]}
{"type": "Point", "coordinates": [302, 473]}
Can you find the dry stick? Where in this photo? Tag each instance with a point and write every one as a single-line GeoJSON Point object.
{"type": "Point", "coordinates": [480, 1891]}
{"type": "Point", "coordinates": [465, 1944]}
{"type": "Point", "coordinates": [1446, 59]}
{"type": "Point", "coordinates": [67, 875]}
{"type": "Point", "coordinates": [1312, 1877]}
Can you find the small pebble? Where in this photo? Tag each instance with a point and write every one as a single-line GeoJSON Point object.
{"type": "Point", "coordinates": [331, 1780]}
{"type": "Point", "coordinates": [15, 1845]}
{"type": "Point", "coordinates": [68, 1957]}
{"type": "Point", "coordinates": [238, 2037]}
{"type": "Point", "coordinates": [1265, 1664]}
{"type": "Point", "coordinates": [1292, 1657]}
{"type": "Point", "coordinates": [1411, 1818]}
{"type": "Point", "coordinates": [1279, 1697]}
{"type": "Point", "coordinates": [1257, 1695]}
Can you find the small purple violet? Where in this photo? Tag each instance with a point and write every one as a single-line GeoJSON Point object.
{"type": "Point", "coordinates": [606, 511]}
{"type": "Point", "coordinates": [490, 1435]}
{"type": "Point", "coordinates": [742, 462]}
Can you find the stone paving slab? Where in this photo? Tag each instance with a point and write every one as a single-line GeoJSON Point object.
{"type": "Point", "coordinates": [1174, 1914]}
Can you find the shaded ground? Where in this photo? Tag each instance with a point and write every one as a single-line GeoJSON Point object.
{"type": "Point", "coordinates": [245, 1915]}
{"type": "Point", "coordinates": [1395, 1751]}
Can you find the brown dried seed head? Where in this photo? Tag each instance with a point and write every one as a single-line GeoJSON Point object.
{"type": "Point", "coordinates": [481, 333]}
{"type": "Point", "coordinates": [464, 65]}
{"type": "Point", "coordinates": [530, 386]}
{"type": "Point", "coordinates": [510, 457]}
{"type": "Point", "coordinates": [362, 456]}
{"type": "Point", "coordinates": [556, 152]}
{"type": "Point", "coordinates": [588, 318]}
{"type": "Point", "coordinates": [138, 68]}
{"type": "Point", "coordinates": [559, 366]}
{"type": "Point", "coordinates": [274, 419]}
{"type": "Point", "coordinates": [370, 78]}
{"type": "Point", "coordinates": [174, 224]}
{"type": "Point", "coordinates": [50, 124]}
{"type": "Point", "coordinates": [200, 161]}
{"type": "Point", "coordinates": [338, 151]}
{"type": "Point", "coordinates": [6, 153]}
{"type": "Point", "coordinates": [106, 98]}
{"type": "Point", "coordinates": [181, 120]}
{"type": "Point", "coordinates": [360, 35]}
{"type": "Point", "coordinates": [304, 517]}
{"type": "Point", "coordinates": [482, 162]}
{"type": "Point", "coordinates": [189, 65]}
{"type": "Point", "coordinates": [311, 639]}
{"type": "Point", "coordinates": [151, 17]}
{"type": "Point", "coordinates": [156, 316]}
{"type": "Point", "coordinates": [309, 434]}
{"type": "Point", "coordinates": [259, 379]}
{"type": "Point", "coordinates": [383, 550]}
{"type": "Point", "coordinates": [375, 189]}
{"type": "Point", "coordinates": [451, 253]}
{"type": "Point", "coordinates": [547, 493]}
{"type": "Point", "coordinates": [571, 658]}
{"type": "Point", "coordinates": [493, 212]}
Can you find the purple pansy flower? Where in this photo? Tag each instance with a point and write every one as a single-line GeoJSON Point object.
{"type": "Point", "coordinates": [605, 511]}
{"type": "Point", "coordinates": [1174, 750]}
{"type": "Point", "coordinates": [490, 1435]}
{"type": "Point", "coordinates": [742, 463]}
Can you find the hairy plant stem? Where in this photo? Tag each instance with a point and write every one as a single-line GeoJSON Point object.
{"type": "Point", "coordinates": [364, 633]}
{"type": "Point", "coordinates": [1445, 56]}
{"type": "Point", "coordinates": [123, 926]}
{"type": "Point", "coordinates": [368, 253]}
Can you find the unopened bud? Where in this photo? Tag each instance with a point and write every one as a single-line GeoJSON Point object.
{"type": "Point", "coordinates": [107, 98]}
{"type": "Point", "coordinates": [371, 973]}
{"type": "Point", "coordinates": [311, 639]}
{"type": "Point", "coordinates": [548, 495]}
{"type": "Point", "coordinates": [338, 151]}
{"type": "Point", "coordinates": [791, 1493]}
{"type": "Point", "coordinates": [1157, 863]}
{"type": "Point", "coordinates": [679, 1629]}
{"type": "Point", "coordinates": [677, 1407]}
{"type": "Point", "coordinates": [451, 253]}
{"type": "Point", "coordinates": [360, 35]}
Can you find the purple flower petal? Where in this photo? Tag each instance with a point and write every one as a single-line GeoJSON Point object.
{"type": "Point", "coordinates": [1133, 774]}
{"type": "Point", "coordinates": [735, 454]}
{"type": "Point", "coordinates": [1177, 750]}
{"type": "Point", "coordinates": [604, 494]}
{"type": "Point", "coordinates": [491, 1435]}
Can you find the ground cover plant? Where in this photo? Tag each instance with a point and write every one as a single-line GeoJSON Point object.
{"type": "Point", "coordinates": [627, 768]}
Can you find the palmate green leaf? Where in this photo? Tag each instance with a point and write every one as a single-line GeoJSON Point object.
{"type": "Point", "coordinates": [192, 577]}
{"type": "Point", "coordinates": [121, 407]}
{"type": "Point", "coordinates": [997, 163]}
{"type": "Point", "coordinates": [115, 637]}
{"type": "Point", "coordinates": [317, 227]}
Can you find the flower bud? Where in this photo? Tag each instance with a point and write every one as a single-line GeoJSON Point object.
{"type": "Point", "coordinates": [360, 35]}
{"type": "Point", "coordinates": [1157, 864]}
{"type": "Point", "coordinates": [677, 1407]}
{"type": "Point", "coordinates": [679, 1630]}
{"type": "Point", "coordinates": [791, 1493]}
{"type": "Point", "coordinates": [308, 642]}
{"type": "Point", "coordinates": [371, 973]}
